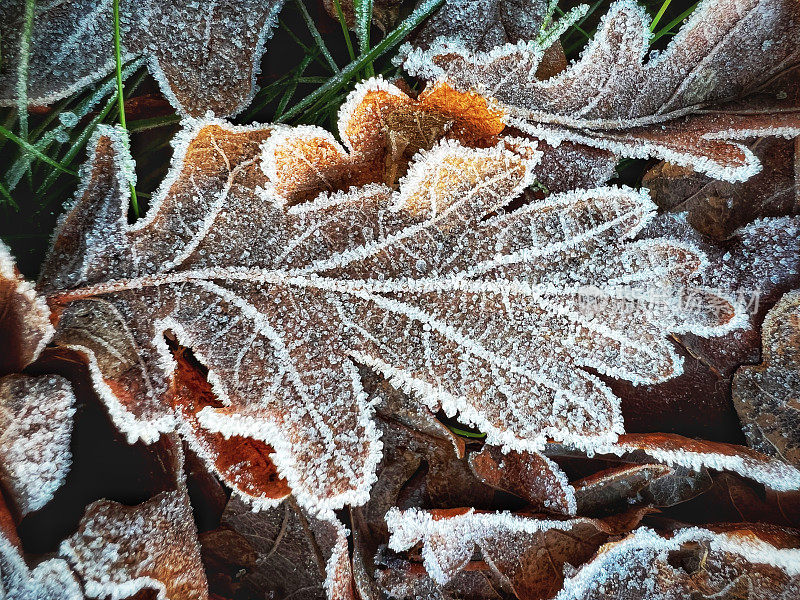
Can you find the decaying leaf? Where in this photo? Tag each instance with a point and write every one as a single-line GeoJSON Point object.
{"type": "Point", "coordinates": [693, 563]}
{"type": "Point", "coordinates": [384, 12]}
{"type": "Point", "coordinates": [295, 554]}
{"type": "Point", "coordinates": [281, 302]}
{"type": "Point", "coordinates": [484, 24]}
{"type": "Point", "coordinates": [119, 550]}
{"type": "Point", "coordinates": [767, 396]}
{"type": "Point", "coordinates": [717, 208]}
{"type": "Point", "coordinates": [527, 554]}
{"type": "Point", "coordinates": [204, 56]}
{"type": "Point", "coordinates": [49, 580]}
{"type": "Point", "coordinates": [35, 427]}
{"type": "Point", "coordinates": [659, 485]}
{"type": "Point", "coordinates": [721, 79]}
{"type": "Point", "coordinates": [529, 475]}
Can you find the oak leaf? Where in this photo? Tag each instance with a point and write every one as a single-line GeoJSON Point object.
{"type": "Point", "coordinates": [281, 302]}
{"type": "Point", "coordinates": [205, 58]}
{"type": "Point", "coordinates": [721, 79]}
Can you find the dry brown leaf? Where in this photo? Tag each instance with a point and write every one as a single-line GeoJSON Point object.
{"type": "Point", "coordinates": [693, 563]}
{"type": "Point", "coordinates": [280, 303]}
{"type": "Point", "coordinates": [280, 552]}
{"type": "Point", "coordinates": [527, 555]}
{"type": "Point", "coordinates": [484, 24]}
{"type": "Point", "coordinates": [529, 475]}
{"type": "Point", "coordinates": [767, 396]}
{"type": "Point", "coordinates": [25, 326]}
{"type": "Point", "coordinates": [35, 412]}
{"type": "Point", "coordinates": [119, 550]}
{"type": "Point", "coordinates": [679, 451]}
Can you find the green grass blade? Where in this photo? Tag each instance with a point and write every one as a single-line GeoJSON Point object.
{"type": "Point", "coordinates": [35, 151]}
{"type": "Point", "coordinates": [659, 14]}
{"type": "Point", "coordinates": [390, 41]}
{"type": "Point", "coordinates": [22, 68]}
{"type": "Point", "coordinates": [363, 17]}
{"type": "Point", "coordinates": [20, 166]}
{"type": "Point", "coordinates": [7, 199]}
{"type": "Point", "coordinates": [676, 21]}
{"type": "Point", "coordinates": [153, 123]}
{"type": "Point", "coordinates": [76, 147]}
{"type": "Point", "coordinates": [317, 37]}
{"type": "Point", "coordinates": [121, 95]}
{"type": "Point", "coordinates": [345, 30]}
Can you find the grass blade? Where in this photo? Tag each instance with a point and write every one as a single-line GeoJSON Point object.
{"type": "Point", "coordinates": [35, 151]}
{"type": "Point", "coordinates": [659, 14]}
{"type": "Point", "coordinates": [390, 41]}
{"type": "Point", "coordinates": [676, 21]}
{"type": "Point", "coordinates": [317, 37]}
{"type": "Point", "coordinates": [120, 94]}
{"type": "Point", "coordinates": [363, 17]}
{"type": "Point", "coordinates": [345, 30]}
{"type": "Point", "coordinates": [22, 68]}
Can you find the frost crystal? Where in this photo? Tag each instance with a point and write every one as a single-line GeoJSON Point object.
{"type": "Point", "coordinates": [489, 314]}
{"type": "Point", "coordinates": [35, 428]}
{"type": "Point", "coordinates": [204, 55]}
{"type": "Point", "coordinates": [612, 100]}
{"type": "Point", "coordinates": [50, 580]}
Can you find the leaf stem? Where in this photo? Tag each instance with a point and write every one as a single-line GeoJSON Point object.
{"type": "Point", "coordinates": [120, 95]}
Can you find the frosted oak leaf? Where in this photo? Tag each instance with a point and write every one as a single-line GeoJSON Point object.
{"type": "Point", "coordinates": [726, 76]}
{"type": "Point", "coordinates": [205, 56]}
{"type": "Point", "coordinates": [470, 309]}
